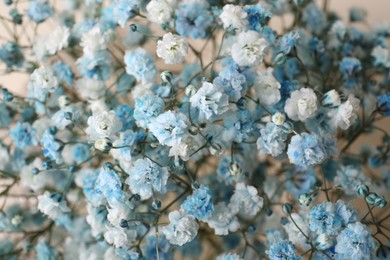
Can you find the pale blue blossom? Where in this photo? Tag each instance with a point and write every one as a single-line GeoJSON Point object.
{"type": "Point", "coordinates": [169, 128]}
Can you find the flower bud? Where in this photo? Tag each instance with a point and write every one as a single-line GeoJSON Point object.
{"type": "Point", "coordinates": [280, 59]}
{"type": "Point", "coordinates": [363, 190]}
{"type": "Point", "coordinates": [278, 118]}
{"type": "Point", "coordinates": [331, 99]}
{"type": "Point", "coordinates": [195, 185]}
{"type": "Point", "coordinates": [305, 199]}
{"type": "Point", "coordinates": [35, 171]}
{"type": "Point", "coordinates": [383, 252]}
{"type": "Point", "coordinates": [156, 204]}
{"type": "Point", "coordinates": [323, 242]}
{"type": "Point", "coordinates": [215, 149]}
{"type": "Point", "coordinates": [380, 202]}
{"type": "Point", "coordinates": [190, 90]}
{"type": "Point", "coordinates": [193, 130]}
{"type": "Point", "coordinates": [47, 165]}
{"type": "Point", "coordinates": [133, 27]}
{"type": "Point", "coordinates": [241, 103]}
{"type": "Point", "coordinates": [269, 212]}
{"type": "Point", "coordinates": [166, 76]}
{"type": "Point", "coordinates": [17, 220]}
{"type": "Point", "coordinates": [371, 197]}
{"type": "Point", "coordinates": [7, 96]}
{"type": "Point", "coordinates": [123, 223]}
{"type": "Point", "coordinates": [63, 101]}
{"type": "Point", "coordinates": [287, 208]}
{"type": "Point", "coordinates": [235, 169]}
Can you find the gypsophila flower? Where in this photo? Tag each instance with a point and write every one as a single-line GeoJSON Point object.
{"type": "Point", "coordinates": [160, 11]}
{"type": "Point", "coordinates": [140, 64]}
{"type": "Point", "coordinates": [345, 114]}
{"type": "Point", "coordinates": [90, 88]}
{"type": "Point", "coordinates": [57, 40]}
{"type": "Point", "coordinates": [267, 88]}
{"type": "Point", "coordinates": [301, 105]}
{"type": "Point", "coordinates": [172, 48]}
{"type": "Point", "coordinates": [146, 177]}
{"type": "Point", "coordinates": [52, 204]}
{"type": "Point", "coordinates": [169, 128]}
{"type": "Point", "coordinates": [23, 135]}
{"type": "Point", "coordinates": [306, 149]}
{"type": "Point", "coordinates": [223, 220]}
{"type": "Point", "coordinates": [210, 101]}
{"type": "Point", "coordinates": [272, 140]}
{"type": "Point", "coordinates": [181, 229]}
{"type": "Point", "coordinates": [103, 124]}
{"type": "Point", "coordinates": [355, 241]}
{"type": "Point", "coordinates": [199, 204]}
{"type": "Point", "coordinates": [350, 177]}
{"type": "Point", "coordinates": [233, 17]}
{"type": "Point", "coordinates": [283, 250]}
{"type": "Point", "coordinates": [245, 201]}
{"type": "Point", "coordinates": [44, 78]}
{"type": "Point", "coordinates": [94, 40]}
{"type": "Point", "coordinates": [249, 49]}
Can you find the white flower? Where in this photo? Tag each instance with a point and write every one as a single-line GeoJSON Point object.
{"type": "Point", "coordinates": [32, 181]}
{"type": "Point", "coordinates": [278, 118]}
{"type": "Point", "coordinates": [44, 78]}
{"type": "Point", "coordinates": [89, 88]}
{"type": "Point", "coordinates": [60, 121]}
{"type": "Point", "coordinates": [98, 226]}
{"type": "Point", "coordinates": [223, 220]}
{"type": "Point", "coordinates": [160, 11]}
{"type": "Point", "coordinates": [172, 48]}
{"type": "Point", "coordinates": [119, 212]}
{"type": "Point", "coordinates": [249, 50]}
{"type": "Point", "coordinates": [345, 114]}
{"type": "Point", "coordinates": [52, 204]}
{"type": "Point", "coordinates": [301, 105]}
{"type": "Point", "coordinates": [179, 150]}
{"type": "Point", "coordinates": [103, 124]}
{"type": "Point", "coordinates": [331, 99]}
{"type": "Point", "coordinates": [57, 40]}
{"type": "Point", "coordinates": [294, 234]}
{"type": "Point", "coordinates": [94, 40]}
{"type": "Point", "coordinates": [39, 47]}
{"type": "Point", "coordinates": [339, 29]}
{"type": "Point", "coordinates": [245, 201]}
{"type": "Point", "coordinates": [181, 229]}
{"type": "Point", "coordinates": [210, 100]}
{"type": "Point", "coordinates": [267, 88]}
{"type": "Point", "coordinates": [116, 236]}
{"type": "Point", "coordinates": [233, 16]}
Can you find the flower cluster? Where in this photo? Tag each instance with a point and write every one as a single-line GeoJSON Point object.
{"type": "Point", "coordinates": [160, 128]}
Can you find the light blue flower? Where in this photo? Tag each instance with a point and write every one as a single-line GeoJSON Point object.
{"type": "Point", "coordinates": [110, 185]}
{"type": "Point", "coordinates": [94, 196]}
{"type": "Point", "coordinates": [272, 140]}
{"type": "Point", "coordinates": [328, 218]}
{"type": "Point", "coordinates": [199, 204]}
{"type": "Point", "coordinates": [239, 126]}
{"type": "Point", "coordinates": [169, 128]}
{"type": "Point", "coordinates": [125, 114]}
{"type": "Point", "coordinates": [51, 147]}
{"type": "Point", "coordinates": [306, 149]}
{"type": "Point", "coordinates": [124, 10]}
{"type": "Point", "coordinates": [193, 20]}
{"type": "Point", "coordinates": [146, 177]}
{"type": "Point", "coordinates": [63, 72]}
{"type": "Point", "coordinates": [182, 228]}
{"type": "Point", "coordinates": [383, 103]}
{"type": "Point", "coordinates": [140, 64]}
{"type": "Point", "coordinates": [147, 108]}
{"type": "Point", "coordinates": [355, 242]}
{"type": "Point", "coordinates": [45, 251]}
{"type": "Point", "coordinates": [231, 82]}
{"type": "Point", "coordinates": [258, 16]}
{"type": "Point", "coordinates": [97, 66]}
{"type": "Point", "coordinates": [314, 18]}
{"type": "Point", "coordinates": [39, 11]}
{"type": "Point", "coordinates": [23, 135]}
{"type": "Point", "coordinates": [283, 250]}
{"type": "Point", "coordinates": [81, 152]}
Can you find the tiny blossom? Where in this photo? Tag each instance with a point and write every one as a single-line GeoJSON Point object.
{"type": "Point", "coordinates": [147, 108]}
{"type": "Point", "coordinates": [383, 102]}
{"type": "Point", "coordinates": [103, 124]}
{"type": "Point", "coordinates": [94, 40]}
{"type": "Point", "coordinates": [355, 241]}
{"type": "Point", "coordinates": [272, 140]}
{"type": "Point", "coordinates": [181, 229]}
{"type": "Point", "coordinates": [210, 101]}
{"type": "Point", "coordinates": [172, 48]}
{"type": "Point", "coordinates": [44, 78]}
{"type": "Point", "coordinates": [283, 250]}
{"type": "Point", "coordinates": [267, 88]}
{"type": "Point", "coordinates": [245, 201]}
{"type": "Point", "coordinates": [249, 49]}
{"type": "Point", "coordinates": [90, 88]}
{"type": "Point", "coordinates": [160, 11]}
{"type": "Point", "coordinates": [199, 204]}
{"type": "Point", "coordinates": [234, 17]}
{"type": "Point", "coordinates": [306, 149]}
{"type": "Point", "coordinates": [109, 185]}
{"type": "Point", "coordinates": [169, 128]}
{"type": "Point", "coordinates": [52, 204]}
{"type": "Point", "coordinates": [301, 105]}
{"type": "Point", "coordinates": [23, 135]}
{"type": "Point", "coordinates": [140, 64]}
{"type": "Point", "coordinates": [258, 16]}
{"type": "Point", "coordinates": [147, 177]}
{"type": "Point", "coordinates": [345, 114]}
{"type": "Point", "coordinates": [57, 40]}
{"type": "Point", "coordinates": [223, 220]}
{"type": "Point", "coordinates": [51, 147]}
